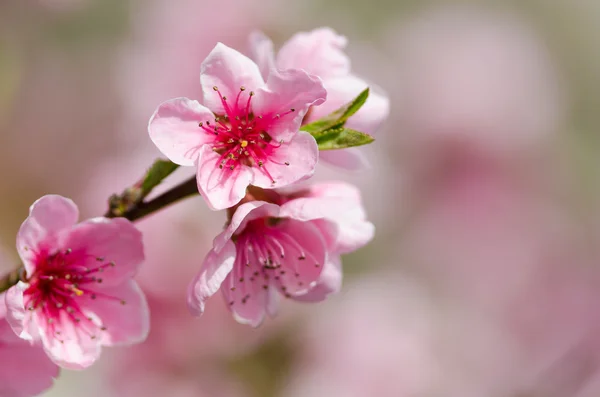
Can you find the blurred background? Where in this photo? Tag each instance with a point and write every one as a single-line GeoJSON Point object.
{"type": "Point", "coordinates": [484, 276]}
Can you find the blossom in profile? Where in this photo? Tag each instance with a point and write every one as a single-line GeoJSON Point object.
{"type": "Point", "coordinates": [283, 245]}
{"type": "Point", "coordinates": [25, 370]}
{"type": "Point", "coordinates": [320, 52]}
{"type": "Point", "coordinates": [77, 292]}
{"type": "Point", "coordinates": [246, 132]}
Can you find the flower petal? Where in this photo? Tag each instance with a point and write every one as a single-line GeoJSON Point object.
{"type": "Point", "coordinates": [330, 282]}
{"type": "Point", "coordinates": [261, 51]}
{"type": "Point", "coordinates": [69, 343]}
{"type": "Point", "coordinates": [291, 162]}
{"type": "Point", "coordinates": [20, 319]}
{"type": "Point", "coordinates": [287, 90]}
{"type": "Point", "coordinates": [351, 159]}
{"type": "Point", "coordinates": [47, 217]}
{"type": "Point", "coordinates": [216, 267]}
{"type": "Point", "coordinates": [221, 187]}
{"type": "Point", "coordinates": [319, 52]}
{"type": "Point", "coordinates": [242, 215]}
{"type": "Point", "coordinates": [174, 129]}
{"type": "Point", "coordinates": [341, 91]}
{"type": "Point", "coordinates": [126, 323]}
{"type": "Point", "coordinates": [339, 203]}
{"type": "Point", "coordinates": [228, 70]}
{"type": "Point", "coordinates": [305, 255]}
{"type": "Point", "coordinates": [25, 370]}
{"type": "Point", "coordinates": [247, 301]}
{"type": "Point", "coordinates": [114, 246]}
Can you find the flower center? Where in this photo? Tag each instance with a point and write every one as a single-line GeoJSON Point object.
{"type": "Point", "coordinates": [61, 283]}
{"type": "Point", "coordinates": [241, 137]}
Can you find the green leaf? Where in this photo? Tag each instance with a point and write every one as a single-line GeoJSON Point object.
{"type": "Point", "coordinates": [340, 138]}
{"type": "Point", "coordinates": [155, 175]}
{"type": "Point", "coordinates": [339, 117]}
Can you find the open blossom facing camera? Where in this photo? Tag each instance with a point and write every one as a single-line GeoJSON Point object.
{"type": "Point", "coordinates": [78, 292]}
{"type": "Point", "coordinates": [245, 133]}
{"type": "Point", "coordinates": [288, 245]}
{"type": "Point", "coordinates": [25, 370]}
{"type": "Point", "coordinates": [320, 53]}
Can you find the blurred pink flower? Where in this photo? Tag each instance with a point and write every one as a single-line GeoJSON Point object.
{"type": "Point", "coordinates": [477, 77]}
{"type": "Point", "coordinates": [255, 138]}
{"type": "Point", "coordinates": [320, 52]}
{"type": "Point", "coordinates": [377, 339]}
{"type": "Point", "coordinates": [78, 294]}
{"type": "Point", "coordinates": [25, 370]}
{"type": "Point", "coordinates": [292, 248]}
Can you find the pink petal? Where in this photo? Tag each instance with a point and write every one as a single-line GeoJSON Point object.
{"type": "Point", "coordinates": [319, 52]}
{"type": "Point", "coordinates": [228, 70]}
{"type": "Point", "coordinates": [305, 256]}
{"type": "Point", "coordinates": [25, 370]}
{"type": "Point", "coordinates": [301, 153]}
{"type": "Point", "coordinates": [261, 51]}
{"type": "Point", "coordinates": [242, 215]}
{"type": "Point", "coordinates": [286, 90]}
{"type": "Point", "coordinates": [74, 348]}
{"type": "Point", "coordinates": [221, 188]}
{"type": "Point", "coordinates": [47, 217]}
{"type": "Point", "coordinates": [351, 159]}
{"type": "Point", "coordinates": [20, 319]}
{"type": "Point", "coordinates": [330, 282]}
{"type": "Point", "coordinates": [216, 267]}
{"type": "Point", "coordinates": [174, 129]}
{"type": "Point", "coordinates": [340, 204]}
{"type": "Point", "coordinates": [126, 323]}
{"type": "Point", "coordinates": [251, 311]}
{"type": "Point", "coordinates": [342, 90]}
{"type": "Point", "coordinates": [106, 241]}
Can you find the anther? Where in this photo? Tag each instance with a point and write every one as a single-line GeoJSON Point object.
{"type": "Point", "coordinates": [123, 302]}
{"type": "Point", "coordinates": [215, 88]}
{"type": "Point", "coordinates": [292, 110]}
{"type": "Point", "coordinates": [260, 163]}
{"type": "Point", "coordinates": [301, 258]}
{"type": "Point", "coordinates": [100, 259]}
{"type": "Point", "coordinates": [251, 93]}
{"type": "Point", "coordinates": [242, 88]}
{"type": "Point", "coordinates": [287, 163]}
{"type": "Point", "coordinates": [68, 251]}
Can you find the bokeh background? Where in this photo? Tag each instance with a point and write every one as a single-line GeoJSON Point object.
{"type": "Point", "coordinates": [484, 276]}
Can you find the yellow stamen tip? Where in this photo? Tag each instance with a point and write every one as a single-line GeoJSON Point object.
{"type": "Point", "coordinates": [77, 291]}
{"type": "Point", "coordinates": [244, 143]}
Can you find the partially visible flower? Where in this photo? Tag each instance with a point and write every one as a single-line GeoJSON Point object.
{"type": "Point", "coordinates": [78, 293]}
{"type": "Point", "coordinates": [320, 53]}
{"type": "Point", "coordinates": [291, 245]}
{"type": "Point", "coordinates": [247, 131]}
{"type": "Point", "coordinates": [25, 370]}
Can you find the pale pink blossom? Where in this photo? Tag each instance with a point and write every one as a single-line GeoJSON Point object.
{"type": "Point", "coordinates": [477, 77]}
{"type": "Point", "coordinates": [25, 370]}
{"type": "Point", "coordinates": [291, 245]}
{"type": "Point", "coordinates": [247, 131]}
{"type": "Point", "coordinates": [320, 53]}
{"type": "Point", "coordinates": [78, 293]}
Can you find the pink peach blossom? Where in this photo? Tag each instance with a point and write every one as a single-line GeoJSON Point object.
{"type": "Point", "coordinates": [25, 370]}
{"type": "Point", "coordinates": [78, 293]}
{"type": "Point", "coordinates": [292, 246]}
{"type": "Point", "coordinates": [320, 53]}
{"type": "Point", "coordinates": [247, 131]}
